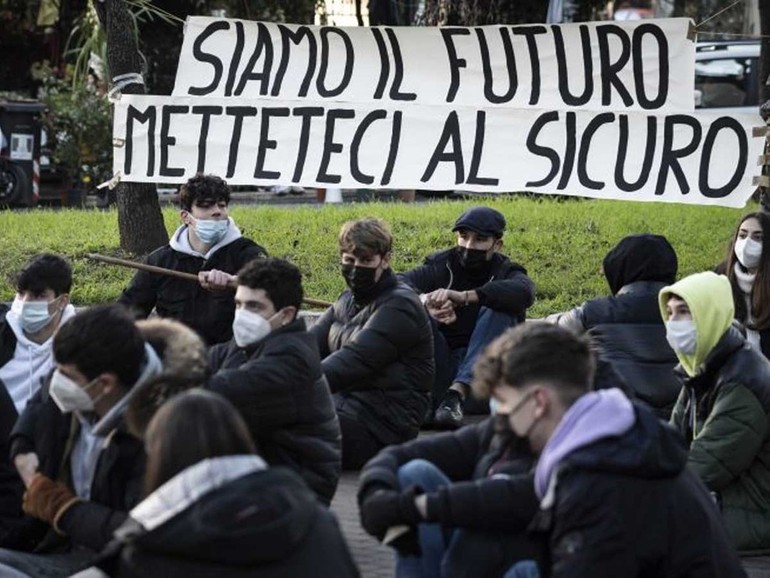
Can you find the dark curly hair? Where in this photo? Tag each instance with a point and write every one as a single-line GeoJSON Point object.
{"type": "Point", "coordinates": [207, 188]}
{"type": "Point", "coordinates": [43, 272]}
{"type": "Point", "coordinates": [279, 279]}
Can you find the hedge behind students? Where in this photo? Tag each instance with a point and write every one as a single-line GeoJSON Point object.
{"type": "Point", "coordinates": [215, 508]}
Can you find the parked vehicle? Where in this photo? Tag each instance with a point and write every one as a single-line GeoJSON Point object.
{"type": "Point", "coordinates": [727, 76]}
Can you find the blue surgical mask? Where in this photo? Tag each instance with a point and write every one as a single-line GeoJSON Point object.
{"type": "Point", "coordinates": [33, 315]}
{"type": "Point", "coordinates": [210, 231]}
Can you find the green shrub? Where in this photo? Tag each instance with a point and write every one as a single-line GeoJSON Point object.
{"type": "Point", "coordinates": [561, 244]}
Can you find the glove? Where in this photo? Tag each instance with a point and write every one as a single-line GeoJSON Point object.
{"type": "Point", "coordinates": [408, 544]}
{"type": "Point", "coordinates": [386, 508]}
{"type": "Point", "coordinates": [47, 500]}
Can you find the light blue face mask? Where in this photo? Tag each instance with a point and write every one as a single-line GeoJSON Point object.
{"type": "Point", "coordinates": [33, 315]}
{"type": "Point", "coordinates": [209, 231]}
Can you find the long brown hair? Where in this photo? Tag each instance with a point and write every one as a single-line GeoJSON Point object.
{"type": "Point", "coordinates": [760, 293]}
{"type": "Point", "coordinates": [189, 428]}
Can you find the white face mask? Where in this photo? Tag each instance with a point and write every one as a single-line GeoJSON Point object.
{"type": "Point", "coordinates": [681, 336]}
{"type": "Point", "coordinates": [250, 327]}
{"type": "Point", "coordinates": [748, 251]}
{"type": "Point", "coordinates": [68, 395]}
{"type": "Point", "coordinates": [209, 231]}
{"type": "Point", "coordinates": [33, 315]}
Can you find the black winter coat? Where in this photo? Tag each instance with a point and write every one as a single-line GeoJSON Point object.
{"type": "Point", "coordinates": [264, 525]}
{"type": "Point", "coordinates": [378, 359]}
{"type": "Point", "coordinates": [11, 486]}
{"type": "Point", "coordinates": [630, 507]}
{"type": "Point", "coordinates": [279, 388]}
{"type": "Point", "coordinates": [210, 313]}
{"type": "Point", "coordinates": [116, 487]}
{"type": "Point", "coordinates": [492, 486]}
{"type": "Point", "coordinates": [631, 336]}
{"type": "Point", "coordinates": [504, 286]}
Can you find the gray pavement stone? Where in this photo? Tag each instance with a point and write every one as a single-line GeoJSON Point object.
{"type": "Point", "coordinates": [374, 560]}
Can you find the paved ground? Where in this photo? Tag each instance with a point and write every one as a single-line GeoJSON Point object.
{"type": "Point", "coordinates": [374, 560]}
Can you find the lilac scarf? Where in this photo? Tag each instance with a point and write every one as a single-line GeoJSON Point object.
{"type": "Point", "coordinates": [595, 416]}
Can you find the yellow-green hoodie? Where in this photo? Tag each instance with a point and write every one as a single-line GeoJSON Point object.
{"type": "Point", "coordinates": [710, 299]}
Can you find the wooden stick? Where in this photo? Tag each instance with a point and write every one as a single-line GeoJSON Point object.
{"type": "Point", "coordinates": [173, 273]}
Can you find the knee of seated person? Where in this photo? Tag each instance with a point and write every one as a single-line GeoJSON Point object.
{"type": "Point", "coordinates": [414, 472]}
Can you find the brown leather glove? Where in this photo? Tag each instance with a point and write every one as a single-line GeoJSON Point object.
{"type": "Point", "coordinates": [47, 500]}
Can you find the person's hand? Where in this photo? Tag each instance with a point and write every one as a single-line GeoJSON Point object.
{"type": "Point", "coordinates": [216, 280]}
{"type": "Point", "coordinates": [47, 500]}
{"type": "Point", "coordinates": [385, 508]}
{"type": "Point", "coordinates": [27, 466]}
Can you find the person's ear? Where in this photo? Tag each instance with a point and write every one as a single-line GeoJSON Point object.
{"type": "Point", "coordinates": [289, 314]}
{"type": "Point", "coordinates": [498, 245]}
{"type": "Point", "coordinates": [64, 301]}
{"type": "Point", "coordinates": [542, 401]}
{"type": "Point", "coordinates": [185, 217]}
{"type": "Point", "coordinates": [110, 383]}
{"type": "Point", "coordinates": [386, 260]}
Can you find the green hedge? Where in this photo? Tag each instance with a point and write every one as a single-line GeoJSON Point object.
{"type": "Point", "coordinates": [561, 243]}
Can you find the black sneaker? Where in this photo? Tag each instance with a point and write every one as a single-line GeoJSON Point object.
{"type": "Point", "coordinates": [449, 413]}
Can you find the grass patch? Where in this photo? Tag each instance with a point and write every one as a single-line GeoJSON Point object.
{"type": "Point", "coordinates": [561, 243]}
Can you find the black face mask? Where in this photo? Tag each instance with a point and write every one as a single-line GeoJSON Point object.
{"type": "Point", "coordinates": [473, 259]}
{"type": "Point", "coordinates": [359, 279]}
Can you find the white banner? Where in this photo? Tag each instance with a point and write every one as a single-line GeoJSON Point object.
{"type": "Point", "coordinates": [697, 158]}
{"type": "Point", "coordinates": [642, 65]}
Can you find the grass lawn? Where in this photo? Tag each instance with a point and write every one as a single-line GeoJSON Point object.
{"type": "Point", "coordinates": [561, 243]}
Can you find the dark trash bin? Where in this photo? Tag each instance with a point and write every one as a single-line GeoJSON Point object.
{"type": "Point", "coordinates": [20, 134]}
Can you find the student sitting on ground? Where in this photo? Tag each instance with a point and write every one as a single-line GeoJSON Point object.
{"type": "Point", "coordinates": [214, 508]}
{"type": "Point", "coordinates": [617, 497]}
{"type": "Point", "coordinates": [723, 408]}
{"type": "Point", "coordinates": [82, 469]}
{"type": "Point", "coordinates": [376, 346]}
{"type": "Point", "coordinates": [627, 327]}
{"type": "Point", "coordinates": [473, 293]}
{"type": "Point", "coordinates": [40, 306]}
{"type": "Point", "coordinates": [747, 266]}
{"type": "Point", "coordinates": [207, 244]}
{"type": "Point", "coordinates": [271, 371]}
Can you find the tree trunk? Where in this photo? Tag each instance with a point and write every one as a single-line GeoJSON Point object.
{"type": "Point", "coordinates": [140, 220]}
{"type": "Point", "coordinates": [764, 54]}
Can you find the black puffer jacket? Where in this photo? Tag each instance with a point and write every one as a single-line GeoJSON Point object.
{"type": "Point", "coordinates": [627, 326]}
{"type": "Point", "coordinates": [378, 359]}
{"type": "Point", "coordinates": [492, 487]}
{"type": "Point", "coordinates": [116, 487]}
{"type": "Point", "coordinates": [263, 525]}
{"type": "Point", "coordinates": [504, 286]}
{"type": "Point", "coordinates": [630, 507]}
{"type": "Point", "coordinates": [11, 486]}
{"type": "Point", "coordinates": [279, 388]}
{"type": "Point", "coordinates": [210, 313]}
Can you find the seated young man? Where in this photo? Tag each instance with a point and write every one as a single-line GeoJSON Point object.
{"type": "Point", "coordinates": [41, 305]}
{"type": "Point", "coordinates": [83, 472]}
{"type": "Point", "coordinates": [723, 408]}
{"type": "Point", "coordinates": [271, 371]}
{"type": "Point", "coordinates": [377, 348]}
{"type": "Point", "coordinates": [626, 326]}
{"type": "Point", "coordinates": [616, 496]}
{"type": "Point", "coordinates": [208, 244]}
{"type": "Point", "coordinates": [473, 293]}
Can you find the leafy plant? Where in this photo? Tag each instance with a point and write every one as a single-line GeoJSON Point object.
{"type": "Point", "coordinates": [78, 122]}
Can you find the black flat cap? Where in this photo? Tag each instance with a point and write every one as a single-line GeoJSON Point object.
{"type": "Point", "coordinates": [482, 220]}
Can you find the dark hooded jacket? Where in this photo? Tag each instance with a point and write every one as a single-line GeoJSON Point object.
{"type": "Point", "coordinates": [117, 483]}
{"type": "Point", "coordinates": [210, 313]}
{"type": "Point", "coordinates": [491, 490]}
{"type": "Point", "coordinates": [279, 388]}
{"type": "Point", "coordinates": [627, 326]}
{"type": "Point", "coordinates": [628, 506]}
{"type": "Point", "coordinates": [502, 286]}
{"type": "Point", "coordinates": [378, 359]}
{"type": "Point", "coordinates": [265, 524]}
